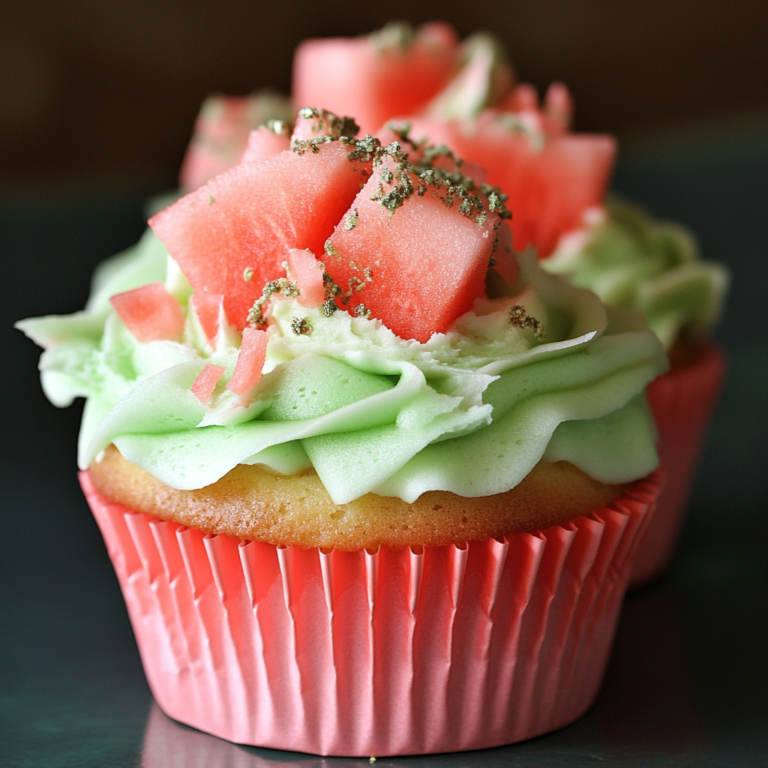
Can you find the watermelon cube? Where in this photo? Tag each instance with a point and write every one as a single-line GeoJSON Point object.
{"type": "Point", "coordinates": [416, 261]}
{"type": "Point", "coordinates": [250, 361]}
{"type": "Point", "coordinates": [205, 383]}
{"type": "Point", "coordinates": [150, 313]}
{"type": "Point", "coordinates": [393, 72]}
{"type": "Point", "coordinates": [232, 235]}
{"type": "Point", "coordinates": [550, 179]}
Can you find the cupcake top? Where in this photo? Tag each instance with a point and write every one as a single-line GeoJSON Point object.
{"type": "Point", "coordinates": [496, 374]}
{"type": "Point", "coordinates": [555, 179]}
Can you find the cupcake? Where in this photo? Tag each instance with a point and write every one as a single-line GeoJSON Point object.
{"type": "Point", "coordinates": [556, 183]}
{"type": "Point", "coordinates": [631, 260]}
{"type": "Point", "coordinates": [381, 502]}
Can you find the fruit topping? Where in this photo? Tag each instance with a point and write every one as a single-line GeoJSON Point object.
{"type": "Point", "coordinates": [150, 313]}
{"type": "Point", "coordinates": [205, 383]}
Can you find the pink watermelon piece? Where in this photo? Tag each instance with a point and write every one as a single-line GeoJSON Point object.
{"type": "Point", "coordinates": [549, 187]}
{"type": "Point", "coordinates": [392, 72]}
{"type": "Point", "coordinates": [207, 306]}
{"type": "Point", "coordinates": [417, 267]}
{"type": "Point", "coordinates": [150, 313]}
{"type": "Point", "coordinates": [308, 274]}
{"type": "Point", "coordinates": [263, 143]}
{"type": "Point", "coordinates": [221, 133]}
{"type": "Point", "coordinates": [250, 361]}
{"type": "Point", "coordinates": [232, 235]}
{"type": "Point", "coordinates": [205, 383]}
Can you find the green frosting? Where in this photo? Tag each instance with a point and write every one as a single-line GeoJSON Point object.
{"type": "Point", "coordinates": [630, 260]}
{"type": "Point", "coordinates": [470, 411]}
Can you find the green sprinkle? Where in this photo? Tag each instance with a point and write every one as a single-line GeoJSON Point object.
{"type": "Point", "coordinates": [521, 319]}
{"type": "Point", "coordinates": [329, 307]}
{"type": "Point", "coordinates": [330, 249]}
{"type": "Point", "coordinates": [278, 127]}
{"type": "Point", "coordinates": [281, 285]}
{"type": "Point", "coordinates": [362, 311]}
{"type": "Point", "coordinates": [355, 284]}
{"type": "Point", "coordinates": [301, 326]}
{"type": "Point", "coordinates": [351, 221]}
{"type": "Point", "coordinates": [248, 274]}
{"type": "Point", "coordinates": [365, 149]}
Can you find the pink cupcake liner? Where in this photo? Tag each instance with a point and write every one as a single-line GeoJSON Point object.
{"type": "Point", "coordinates": [395, 652]}
{"type": "Point", "coordinates": [682, 402]}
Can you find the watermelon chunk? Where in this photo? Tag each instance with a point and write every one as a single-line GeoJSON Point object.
{"type": "Point", "coordinates": [416, 263]}
{"type": "Point", "coordinates": [308, 274]}
{"type": "Point", "coordinates": [205, 383]}
{"type": "Point", "coordinates": [263, 143]}
{"type": "Point", "coordinates": [221, 133]}
{"type": "Point", "coordinates": [232, 235]}
{"type": "Point", "coordinates": [396, 71]}
{"type": "Point", "coordinates": [150, 313]}
{"type": "Point", "coordinates": [550, 179]}
{"type": "Point", "coordinates": [250, 361]}
{"type": "Point", "coordinates": [206, 306]}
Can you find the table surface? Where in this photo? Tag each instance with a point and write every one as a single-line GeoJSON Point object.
{"type": "Point", "coordinates": [687, 683]}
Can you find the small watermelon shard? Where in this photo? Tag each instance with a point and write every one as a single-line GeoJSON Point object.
{"type": "Point", "coordinates": [205, 383]}
{"type": "Point", "coordinates": [307, 271]}
{"type": "Point", "coordinates": [250, 362]}
{"type": "Point", "coordinates": [207, 307]}
{"type": "Point", "coordinates": [418, 254]}
{"type": "Point", "coordinates": [150, 313]}
{"type": "Point", "coordinates": [265, 142]}
{"type": "Point", "coordinates": [373, 77]}
{"type": "Point", "coordinates": [259, 212]}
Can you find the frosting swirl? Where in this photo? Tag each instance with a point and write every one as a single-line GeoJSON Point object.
{"type": "Point", "coordinates": [470, 411]}
{"type": "Point", "coordinates": [631, 260]}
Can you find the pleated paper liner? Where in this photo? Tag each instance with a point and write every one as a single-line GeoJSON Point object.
{"type": "Point", "coordinates": [682, 402]}
{"type": "Point", "coordinates": [393, 653]}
